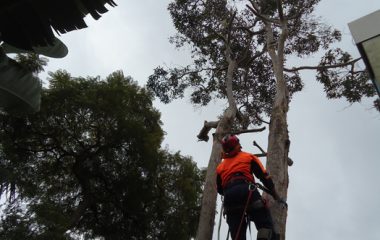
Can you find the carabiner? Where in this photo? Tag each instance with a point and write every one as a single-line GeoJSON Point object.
{"type": "Point", "coordinates": [252, 186]}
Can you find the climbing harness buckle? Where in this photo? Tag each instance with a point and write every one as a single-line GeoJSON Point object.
{"type": "Point", "coordinates": [252, 186]}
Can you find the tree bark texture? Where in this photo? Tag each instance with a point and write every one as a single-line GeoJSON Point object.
{"type": "Point", "coordinates": [278, 140]}
{"type": "Point", "coordinates": [277, 164]}
{"type": "Point", "coordinates": [208, 209]}
{"type": "Point", "coordinates": [207, 215]}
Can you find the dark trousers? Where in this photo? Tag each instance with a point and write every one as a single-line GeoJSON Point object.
{"type": "Point", "coordinates": [235, 199]}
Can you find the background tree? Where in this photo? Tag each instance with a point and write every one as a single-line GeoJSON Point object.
{"type": "Point", "coordinates": [89, 164]}
{"type": "Point", "coordinates": [240, 51]}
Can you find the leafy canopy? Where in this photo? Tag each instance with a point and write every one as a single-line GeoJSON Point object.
{"type": "Point", "coordinates": [209, 27]}
{"type": "Point", "coordinates": [89, 164]}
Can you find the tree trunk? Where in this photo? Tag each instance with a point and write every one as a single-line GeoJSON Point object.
{"type": "Point", "coordinates": [207, 214]}
{"type": "Point", "coordinates": [278, 140]}
{"type": "Point", "coordinates": [278, 148]}
{"type": "Point", "coordinates": [277, 163]}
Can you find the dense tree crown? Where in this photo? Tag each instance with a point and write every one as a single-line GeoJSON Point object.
{"type": "Point", "coordinates": [210, 27]}
{"type": "Point", "coordinates": [89, 164]}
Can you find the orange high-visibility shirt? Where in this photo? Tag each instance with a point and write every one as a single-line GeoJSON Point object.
{"type": "Point", "coordinates": [241, 163]}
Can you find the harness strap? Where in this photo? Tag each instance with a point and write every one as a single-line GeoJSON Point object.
{"type": "Point", "coordinates": [251, 189]}
{"type": "Point", "coordinates": [238, 178]}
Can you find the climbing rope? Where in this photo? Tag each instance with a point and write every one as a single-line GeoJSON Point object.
{"type": "Point", "coordinates": [220, 218]}
{"type": "Point", "coordinates": [252, 187]}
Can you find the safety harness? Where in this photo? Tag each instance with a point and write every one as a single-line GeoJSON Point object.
{"type": "Point", "coordinates": [251, 188]}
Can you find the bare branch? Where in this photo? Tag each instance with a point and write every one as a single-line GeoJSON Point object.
{"type": "Point", "coordinates": [248, 131]}
{"type": "Point", "coordinates": [319, 67]}
{"type": "Point", "coordinates": [264, 154]}
{"type": "Point", "coordinates": [203, 134]}
{"type": "Point", "coordinates": [260, 119]}
{"type": "Point", "coordinates": [260, 154]}
{"type": "Point", "coordinates": [258, 146]}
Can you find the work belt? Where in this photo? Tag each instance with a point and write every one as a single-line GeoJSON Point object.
{"type": "Point", "coordinates": [237, 178]}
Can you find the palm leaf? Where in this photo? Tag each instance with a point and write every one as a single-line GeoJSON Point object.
{"type": "Point", "coordinates": [57, 50]}
{"type": "Point", "coordinates": [20, 90]}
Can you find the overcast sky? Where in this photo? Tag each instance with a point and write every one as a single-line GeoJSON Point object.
{"type": "Point", "coordinates": [333, 192]}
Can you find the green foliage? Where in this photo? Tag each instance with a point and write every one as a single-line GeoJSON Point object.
{"type": "Point", "coordinates": [208, 27]}
{"type": "Point", "coordinates": [353, 84]}
{"type": "Point", "coordinates": [205, 26]}
{"type": "Point", "coordinates": [32, 62]}
{"type": "Point", "coordinates": [89, 163]}
{"type": "Point", "coordinates": [179, 182]}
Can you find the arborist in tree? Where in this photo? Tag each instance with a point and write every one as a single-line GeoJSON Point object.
{"type": "Point", "coordinates": [242, 200]}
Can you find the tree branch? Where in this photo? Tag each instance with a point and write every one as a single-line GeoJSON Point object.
{"type": "Point", "coordinates": [262, 17]}
{"type": "Point", "coordinates": [298, 12]}
{"type": "Point", "coordinates": [319, 67]}
{"type": "Point", "coordinates": [232, 64]}
{"type": "Point", "coordinates": [264, 154]}
{"type": "Point", "coordinates": [230, 27]}
{"type": "Point", "coordinates": [280, 10]}
{"type": "Point", "coordinates": [246, 53]}
{"type": "Point", "coordinates": [200, 70]}
{"type": "Point", "coordinates": [270, 43]}
{"type": "Point", "coordinates": [258, 146]}
{"type": "Point", "coordinates": [260, 119]}
{"type": "Point", "coordinates": [203, 134]}
{"type": "Point", "coordinates": [248, 131]}
{"type": "Point", "coordinates": [283, 35]}
{"type": "Point", "coordinates": [248, 28]}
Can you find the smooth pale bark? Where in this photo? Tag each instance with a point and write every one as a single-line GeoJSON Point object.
{"type": "Point", "coordinates": [207, 214]}
{"type": "Point", "coordinates": [278, 140]}
{"type": "Point", "coordinates": [277, 163]}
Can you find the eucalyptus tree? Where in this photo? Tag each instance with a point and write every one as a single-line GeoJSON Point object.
{"type": "Point", "coordinates": [240, 52]}
{"type": "Point", "coordinates": [89, 164]}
